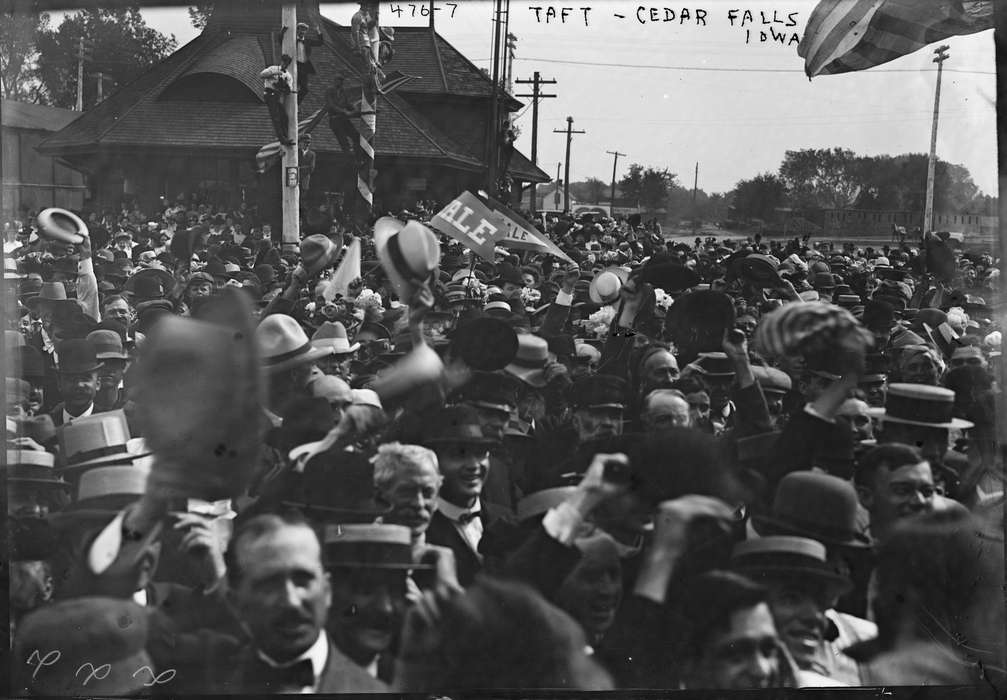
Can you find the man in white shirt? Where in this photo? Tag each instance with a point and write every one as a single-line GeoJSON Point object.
{"type": "Point", "coordinates": [276, 86]}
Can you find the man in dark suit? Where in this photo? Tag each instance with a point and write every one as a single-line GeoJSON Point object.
{"type": "Point", "coordinates": [282, 594]}
{"type": "Point", "coordinates": [77, 367]}
{"type": "Point", "coordinates": [463, 455]}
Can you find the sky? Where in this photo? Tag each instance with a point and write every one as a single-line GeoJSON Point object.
{"type": "Point", "coordinates": [672, 94]}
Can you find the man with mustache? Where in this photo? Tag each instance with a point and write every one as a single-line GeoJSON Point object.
{"type": "Point", "coordinates": [110, 394]}
{"type": "Point", "coordinates": [407, 482]}
{"type": "Point", "coordinates": [282, 594]}
{"type": "Point", "coordinates": [77, 369]}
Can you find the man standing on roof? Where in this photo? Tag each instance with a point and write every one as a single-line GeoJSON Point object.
{"type": "Point", "coordinates": [340, 112]}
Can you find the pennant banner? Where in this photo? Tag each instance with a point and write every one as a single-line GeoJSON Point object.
{"type": "Point", "coordinates": [852, 35]}
{"type": "Point", "coordinates": [270, 154]}
{"type": "Point", "coordinates": [472, 223]}
{"type": "Point", "coordinates": [348, 270]}
{"type": "Point", "coordinates": [522, 235]}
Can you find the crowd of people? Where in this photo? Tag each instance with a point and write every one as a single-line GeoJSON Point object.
{"type": "Point", "coordinates": [732, 464]}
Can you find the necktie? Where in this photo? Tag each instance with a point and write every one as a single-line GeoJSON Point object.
{"type": "Point", "coordinates": [467, 517]}
{"type": "Point", "coordinates": [298, 675]}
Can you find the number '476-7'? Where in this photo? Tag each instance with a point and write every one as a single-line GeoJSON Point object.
{"type": "Point", "coordinates": [421, 9]}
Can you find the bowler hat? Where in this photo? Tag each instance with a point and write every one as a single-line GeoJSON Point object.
{"type": "Point", "coordinates": [823, 280]}
{"type": "Point", "coordinates": [788, 557]}
{"type": "Point", "coordinates": [368, 546]}
{"type": "Point", "coordinates": [810, 504]}
{"type": "Point", "coordinates": [920, 404]}
{"type": "Point", "coordinates": [107, 345]}
{"type": "Point", "coordinates": [530, 360]}
{"type": "Point", "coordinates": [283, 344]}
{"type": "Point", "coordinates": [409, 253]}
{"type": "Point", "coordinates": [370, 331]}
{"type": "Point", "coordinates": [761, 270]}
{"type": "Point", "coordinates": [455, 424]}
{"type": "Point", "coordinates": [599, 391]}
{"type": "Point", "coordinates": [485, 343]}
{"type": "Point", "coordinates": [332, 336]}
{"type": "Point", "coordinates": [76, 356]}
{"type": "Point", "coordinates": [494, 390]}
{"type": "Point", "coordinates": [93, 441]}
{"type": "Point", "coordinates": [149, 283]}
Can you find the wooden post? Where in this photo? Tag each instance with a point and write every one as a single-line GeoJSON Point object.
{"type": "Point", "coordinates": [290, 172]}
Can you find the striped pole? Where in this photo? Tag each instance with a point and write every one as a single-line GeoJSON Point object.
{"type": "Point", "coordinates": [366, 171]}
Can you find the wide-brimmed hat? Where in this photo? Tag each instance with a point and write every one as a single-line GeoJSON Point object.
{"type": "Point", "coordinates": [107, 345]}
{"type": "Point", "coordinates": [369, 546]}
{"type": "Point", "coordinates": [455, 424]}
{"type": "Point", "coordinates": [606, 285]}
{"type": "Point", "coordinates": [761, 270]}
{"type": "Point", "coordinates": [409, 253]}
{"type": "Point", "coordinates": [317, 252]}
{"type": "Point", "coordinates": [96, 440]}
{"type": "Point", "coordinates": [76, 356]}
{"type": "Point", "coordinates": [530, 360]}
{"type": "Point", "coordinates": [485, 343]}
{"type": "Point", "coordinates": [819, 506]}
{"type": "Point", "coordinates": [149, 283]}
{"type": "Point", "coordinates": [283, 344]}
{"type": "Point", "coordinates": [61, 225]}
{"type": "Point", "coordinates": [920, 404]}
{"type": "Point", "coordinates": [788, 557]}
{"type": "Point", "coordinates": [33, 467]}
{"type": "Point", "coordinates": [331, 335]}
{"type": "Point", "coordinates": [51, 293]}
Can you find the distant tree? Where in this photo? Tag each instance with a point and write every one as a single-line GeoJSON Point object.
{"type": "Point", "coordinates": [19, 56]}
{"type": "Point", "coordinates": [648, 186]}
{"type": "Point", "coordinates": [759, 197]}
{"type": "Point", "coordinates": [200, 13]}
{"type": "Point", "coordinates": [631, 185]}
{"type": "Point", "coordinates": [822, 178]}
{"type": "Point", "coordinates": [122, 47]}
{"type": "Point", "coordinates": [596, 189]}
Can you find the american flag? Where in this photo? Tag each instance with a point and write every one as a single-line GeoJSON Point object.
{"type": "Point", "coordinates": [852, 35]}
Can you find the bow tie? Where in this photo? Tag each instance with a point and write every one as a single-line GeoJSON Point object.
{"type": "Point", "coordinates": [467, 517]}
{"type": "Point", "coordinates": [298, 675]}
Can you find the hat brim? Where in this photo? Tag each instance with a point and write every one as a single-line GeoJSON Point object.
{"type": "Point", "coordinates": [839, 584]}
{"type": "Point", "coordinates": [162, 276]}
{"type": "Point", "coordinates": [34, 302]}
{"type": "Point", "coordinates": [78, 370]}
{"type": "Point", "coordinates": [767, 525]}
{"type": "Point", "coordinates": [326, 345]}
{"type": "Point", "coordinates": [384, 229]}
{"type": "Point", "coordinates": [529, 375]}
{"type": "Point", "coordinates": [953, 424]}
{"type": "Point", "coordinates": [55, 483]}
{"type": "Point", "coordinates": [112, 356]}
{"type": "Point", "coordinates": [118, 458]}
{"type": "Point", "coordinates": [311, 354]}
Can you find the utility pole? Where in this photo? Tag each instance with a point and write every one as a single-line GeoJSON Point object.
{"type": "Point", "coordinates": [555, 195]}
{"type": "Point", "coordinates": [291, 174]}
{"type": "Point", "coordinates": [615, 159]}
{"type": "Point", "coordinates": [566, 182]}
{"type": "Point", "coordinates": [80, 76]}
{"type": "Point", "coordinates": [928, 215]}
{"type": "Point", "coordinates": [494, 123]}
{"type": "Point", "coordinates": [536, 82]}
{"type": "Point", "coordinates": [695, 186]}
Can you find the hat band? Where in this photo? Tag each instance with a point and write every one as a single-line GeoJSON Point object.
{"type": "Point", "coordinates": [920, 410]}
{"type": "Point", "coordinates": [97, 453]}
{"type": "Point", "coordinates": [399, 261]}
{"type": "Point", "coordinates": [529, 363]}
{"type": "Point", "coordinates": [283, 357]}
{"type": "Point", "coordinates": [818, 529]}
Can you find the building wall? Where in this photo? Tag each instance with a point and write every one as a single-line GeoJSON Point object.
{"type": "Point", "coordinates": [854, 222]}
{"type": "Point", "coordinates": [32, 181]}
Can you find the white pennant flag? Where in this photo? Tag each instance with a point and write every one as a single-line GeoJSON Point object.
{"type": "Point", "coordinates": [348, 270]}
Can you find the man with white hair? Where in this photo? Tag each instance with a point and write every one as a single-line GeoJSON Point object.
{"type": "Point", "coordinates": [407, 480]}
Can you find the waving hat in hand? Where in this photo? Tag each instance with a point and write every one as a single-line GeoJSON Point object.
{"type": "Point", "coordinates": [409, 253]}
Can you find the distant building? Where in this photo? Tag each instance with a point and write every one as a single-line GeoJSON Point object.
{"type": "Point", "coordinates": [875, 223]}
{"type": "Point", "coordinates": [32, 181]}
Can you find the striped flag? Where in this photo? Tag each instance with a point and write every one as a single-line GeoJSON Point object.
{"type": "Point", "coordinates": [852, 35]}
{"type": "Point", "coordinates": [394, 80]}
{"type": "Point", "coordinates": [270, 154]}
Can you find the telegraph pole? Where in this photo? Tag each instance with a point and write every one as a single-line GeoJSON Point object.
{"type": "Point", "coordinates": [291, 174]}
{"type": "Point", "coordinates": [80, 76]}
{"type": "Point", "coordinates": [566, 182]}
{"type": "Point", "coordinates": [555, 195]}
{"type": "Point", "coordinates": [536, 82]}
{"type": "Point", "coordinates": [615, 159]}
{"type": "Point", "coordinates": [928, 215]}
{"type": "Point", "coordinates": [494, 124]}
{"type": "Point", "coordinates": [695, 186]}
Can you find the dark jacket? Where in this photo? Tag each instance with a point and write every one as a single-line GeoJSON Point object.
{"type": "Point", "coordinates": [443, 532]}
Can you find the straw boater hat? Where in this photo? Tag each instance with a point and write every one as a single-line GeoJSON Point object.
{"type": "Point", "coordinates": [369, 546]}
{"type": "Point", "coordinates": [409, 253]}
{"type": "Point", "coordinates": [606, 285]}
{"type": "Point", "coordinates": [920, 404]}
{"type": "Point", "coordinates": [790, 558]}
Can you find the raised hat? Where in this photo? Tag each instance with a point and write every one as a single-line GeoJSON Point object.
{"type": "Point", "coordinates": [530, 360]}
{"type": "Point", "coordinates": [920, 404]}
{"type": "Point", "coordinates": [61, 225]}
{"type": "Point", "coordinates": [369, 546]}
{"type": "Point", "coordinates": [815, 505]}
{"type": "Point", "coordinates": [318, 252]}
{"type": "Point", "coordinates": [331, 335]}
{"type": "Point", "coordinates": [788, 557]}
{"type": "Point", "coordinates": [107, 345]}
{"type": "Point", "coordinates": [606, 285]}
{"type": "Point", "coordinates": [772, 379]}
{"type": "Point", "coordinates": [714, 364]}
{"type": "Point", "coordinates": [93, 441]}
{"type": "Point", "coordinates": [541, 502]}
{"type": "Point", "coordinates": [283, 344]}
{"type": "Point", "coordinates": [409, 253]}
{"type": "Point", "coordinates": [76, 356]}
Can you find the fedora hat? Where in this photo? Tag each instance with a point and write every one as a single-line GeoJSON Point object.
{"type": "Point", "coordinates": [606, 285]}
{"type": "Point", "coordinates": [787, 557]}
{"type": "Point", "coordinates": [819, 506]}
{"type": "Point", "coordinates": [107, 345]}
{"type": "Point", "coordinates": [714, 364]}
{"type": "Point", "coordinates": [530, 360]}
{"type": "Point", "coordinates": [149, 283]}
{"type": "Point", "coordinates": [455, 424]}
{"type": "Point", "coordinates": [283, 344]}
{"type": "Point", "coordinates": [51, 293]}
{"type": "Point", "coordinates": [920, 404]}
{"type": "Point", "coordinates": [61, 225]}
{"type": "Point", "coordinates": [331, 335]}
{"type": "Point", "coordinates": [76, 356]}
{"type": "Point", "coordinates": [484, 343]}
{"type": "Point", "coordinates": [318, 252]}
{"type": "Point", "coordinates": [368, 546]}
{"type": "Point", "coordinates": [409, 253]}
{"type": "Point", "coordinates": [96, 440]}
{"type": "Point", "coordinates": [32, 467]}
{"type": "Point", "coordinates": [761, 270]}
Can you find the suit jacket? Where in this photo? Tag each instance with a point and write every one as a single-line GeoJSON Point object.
{"type": "Point", "coordinates": [442, 531]}
{"type": "Point", "coordinates": [340, 675]}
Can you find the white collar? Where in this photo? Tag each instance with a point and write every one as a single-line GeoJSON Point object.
{"type": "Point", "coordinates": [453, 512]}
{"type": "Point", "coordinates": [317, 654]}
{"type": "Point", "coordinates": [140, 597]}
{"type": "Point", "coordinates": [67, 417]}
